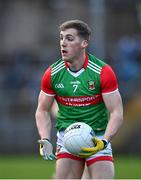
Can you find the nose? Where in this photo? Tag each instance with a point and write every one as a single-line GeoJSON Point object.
{"type": "Point", "coordinates": [63, 43]}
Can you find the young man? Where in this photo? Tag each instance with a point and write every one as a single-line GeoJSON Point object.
{"type": "Point", "coordinates": [86, 90]}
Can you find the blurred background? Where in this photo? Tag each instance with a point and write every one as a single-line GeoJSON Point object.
{"type": "Point", "coordinates": [29, 43]}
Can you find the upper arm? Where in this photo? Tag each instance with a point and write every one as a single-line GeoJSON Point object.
{"type": "Point", "coordinates": [54, 109]}
{"type": "Point", "coordinates": [45, 102]}
{"type": "Point", "coordinates": [109, 89]}
{"type": "Point", "coordinates": [108, 80]}
{"type": "Point", "coordinates": [113, 102]}
{"type": "Point", "coordinates": [46, 83]}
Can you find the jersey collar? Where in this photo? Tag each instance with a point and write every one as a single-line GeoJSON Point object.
{"type": "Point", "coordinates": [85, 63]}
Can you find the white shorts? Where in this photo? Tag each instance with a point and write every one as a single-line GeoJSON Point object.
{"type": "Point", "coordinates": [103, 155]}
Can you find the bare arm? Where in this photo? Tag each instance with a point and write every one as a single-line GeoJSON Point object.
{"type": "Point", "coordinates": [113, 103]}
{"type": "Point", "coordinates": [42, 115]}
{"type": "Point", "coordinates": [54, 109]}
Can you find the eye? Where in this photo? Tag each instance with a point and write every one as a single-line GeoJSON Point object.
{"type": "Point", "coordinates": [61, 38]}
{"type": "Point", "coordinates": [70, 38]}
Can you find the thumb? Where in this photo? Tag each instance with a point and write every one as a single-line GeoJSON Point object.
{"type": "Point", "coordinates": [41, 150]}
{"type": "Point", "coordinates": [95, 140]}
{"type": "Point", "coordinates": [99, 143]}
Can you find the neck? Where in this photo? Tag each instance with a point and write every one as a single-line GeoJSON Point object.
{"type": "Point", "coordinates": [77, 63]}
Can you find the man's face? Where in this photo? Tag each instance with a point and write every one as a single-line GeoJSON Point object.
{"type": "Point", "coordinates": [71, 44]}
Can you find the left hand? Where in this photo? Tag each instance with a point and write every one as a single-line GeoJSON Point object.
{"type": "Point", "coordinates": [99, 145]}
{"type": "Point", "coordinates": [46, 149]}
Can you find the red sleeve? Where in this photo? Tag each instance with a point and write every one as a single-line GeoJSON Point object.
{"type": "Point", "coordinates": [108, 80]}
{"type": "Point", "coordinates": [46, 82]}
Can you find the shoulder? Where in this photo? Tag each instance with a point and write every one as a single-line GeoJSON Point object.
{"type": "Point", "coordinates": [108, 78]}
{"type": "Point", "coordinates": [95, 64]}
{"type": "Point", "coordinates": [57, 66]}
{"type": "Point", "coordinates": [57, 62]}
{"type": "Point", "coordinates": [96, 60]}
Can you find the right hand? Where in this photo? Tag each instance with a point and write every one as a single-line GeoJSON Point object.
{"type": "Point", "coordinates": [99, 145]}
{"type": "Point", "coordinates": [46, 149]}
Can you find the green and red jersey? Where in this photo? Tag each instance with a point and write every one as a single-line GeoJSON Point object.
{"type": "Point", "coordinates": [79, 94]}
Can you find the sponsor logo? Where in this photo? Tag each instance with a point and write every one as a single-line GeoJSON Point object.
{"type": "Point", "coordinates": [75, 82]}
{"type": "Point", "coordinates": [91, 85]}
{"type": "Point", "coordinates": [59, 86]}
{"type": "Point", "coordinates": [77, 126]}
{"type": "Point", "coordinates": [80, 101]}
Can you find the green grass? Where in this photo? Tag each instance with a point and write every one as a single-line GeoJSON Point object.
{"type": "Point", "coordinates": [25, 167]}
{"type": "Point", "coordinates": [33, 167]}
{"type": "Point", "coordinates": [127, 167]}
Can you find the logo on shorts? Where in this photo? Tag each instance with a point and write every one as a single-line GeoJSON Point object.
{"type": "Point", "coordinates": [91, 85]}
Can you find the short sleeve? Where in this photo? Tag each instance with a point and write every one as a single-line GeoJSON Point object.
{"type": "Point", "coordinates": [108, 80]}
{"type": "Point", "coordinates": [46, 86]}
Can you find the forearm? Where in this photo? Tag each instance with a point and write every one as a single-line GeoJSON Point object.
{"type": "Point", "coordinates": [43, 123]}
{"type": "Point", "coordinates": [113, 126]}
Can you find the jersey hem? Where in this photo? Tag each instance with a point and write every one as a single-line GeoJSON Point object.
{"type": "Point", "coordinates": [106, 93]}
{"type": "Point", "coordinates": [48, 93]}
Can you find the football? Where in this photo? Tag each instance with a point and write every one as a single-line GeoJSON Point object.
{"type": "Point", "coordinates": [77, 136]}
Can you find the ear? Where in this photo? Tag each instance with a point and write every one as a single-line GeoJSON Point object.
{"type": "Point", "coordinates": [84, 43]}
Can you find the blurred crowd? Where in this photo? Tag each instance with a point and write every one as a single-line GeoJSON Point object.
{"type": "Point", "coordinates": [127, 64]}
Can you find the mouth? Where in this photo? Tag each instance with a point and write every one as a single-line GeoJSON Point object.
{"type": "Point", "coordinates": [64, 52]}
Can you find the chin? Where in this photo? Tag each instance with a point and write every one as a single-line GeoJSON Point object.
{"type": "Point", "coordinates": [66, 58]}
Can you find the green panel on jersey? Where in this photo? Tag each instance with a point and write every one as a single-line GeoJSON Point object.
{"type": "Point", "coordinates": [79, 96]}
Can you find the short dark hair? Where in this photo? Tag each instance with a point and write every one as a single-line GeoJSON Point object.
{"type": "Point", "coordinates": [82, 28]}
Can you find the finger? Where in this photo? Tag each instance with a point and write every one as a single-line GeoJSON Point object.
{"type": "Point", "coordinates": [50, 158]}
{"type": "Point", "coordinates": [41, 147]}
{"type": "Point", "coordinates": [83, 155]}
{"type": "Point", "coordinates": [41, 150]}
{"type": "Point", "coordinates": [95, 140]}
{"type": "Point", "coordinates": [90, 149]}
{"type": "Point", "coordinates": [53, 156]}
{"type": "Point", "coordinates": [45, 157]}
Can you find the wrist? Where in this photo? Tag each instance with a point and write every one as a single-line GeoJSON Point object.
{"type": "Point", "coordinates": [46, 139]}
{"type": "Point", "coordinates": [106, 142]}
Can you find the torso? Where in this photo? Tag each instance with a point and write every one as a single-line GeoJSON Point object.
{"type": "Point", "coordinates": [79, 95]}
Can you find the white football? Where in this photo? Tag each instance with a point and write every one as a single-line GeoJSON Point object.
{"type": "Point", "coordinates": [77, 136]}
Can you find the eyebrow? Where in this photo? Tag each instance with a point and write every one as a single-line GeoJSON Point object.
{"type": "Point", "coordinates": [66, 35]}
